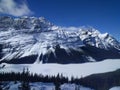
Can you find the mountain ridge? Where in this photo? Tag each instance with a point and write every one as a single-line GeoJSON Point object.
{"type": "Point", "coordinates": [36, 40]}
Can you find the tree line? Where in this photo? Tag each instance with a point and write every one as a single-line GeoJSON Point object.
{"type": "Point", "coordinates": [102, 81]}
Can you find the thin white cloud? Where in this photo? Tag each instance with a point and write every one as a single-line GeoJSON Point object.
{"type": "Point", "coordinates": [13, 8]}
{"type": "Point", "coordinates": [71, 28]}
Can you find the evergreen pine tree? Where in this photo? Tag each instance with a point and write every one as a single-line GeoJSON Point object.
{"type": "Point", "coordinates": [25, 85]}
{"type": "Point", "coordinates": [0, 87]}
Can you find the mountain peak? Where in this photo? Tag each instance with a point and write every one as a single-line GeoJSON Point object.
{"type": "Point", "coordinates": [39, 39]}
{"type": "Point", "coordinates": [25, 22]}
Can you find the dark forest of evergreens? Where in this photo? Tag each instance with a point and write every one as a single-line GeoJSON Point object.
{"type": "Point", "coordinates": [102, 81]}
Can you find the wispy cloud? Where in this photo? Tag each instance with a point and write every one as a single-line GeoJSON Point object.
{"type": "Point", "coordinates": [72, 28]}
{"type": "Point", "coordinates": [11, 7]}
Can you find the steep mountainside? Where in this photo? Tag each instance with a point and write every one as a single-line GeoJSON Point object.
{"type": "Point", "coordinates": [36, 40]}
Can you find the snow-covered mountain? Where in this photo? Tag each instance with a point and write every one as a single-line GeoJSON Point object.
{"type": "Point", "coordinates": [36, 40]}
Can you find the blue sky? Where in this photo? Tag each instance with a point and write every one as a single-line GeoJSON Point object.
{"type": "Point", "coordinates": [103, 15]}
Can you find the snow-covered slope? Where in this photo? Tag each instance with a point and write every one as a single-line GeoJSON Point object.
{"type": "Point", "coordinates": [35, 40]}
{"type": "Point", "coordinates": [47, 86]}
{"type": "Point", "coordinates": [10, 85]}
{"type": "Point", "coordinates": [42, 86]}
{"type": "Point", "coordinates": [68, 70]}
{"type": "Point", "coordinates": [115, 88]}
{"type": "Point", "coordinates": [67, 86]}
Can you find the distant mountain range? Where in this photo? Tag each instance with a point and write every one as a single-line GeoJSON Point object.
{"type": "Point", "coordinates": [28, 40]}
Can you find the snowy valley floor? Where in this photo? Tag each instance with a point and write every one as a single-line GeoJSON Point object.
{"type": "Point", "coordinates": [69, 70]}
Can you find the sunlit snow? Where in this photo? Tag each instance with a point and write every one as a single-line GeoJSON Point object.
{"type": "Point", "coordinates": [69, 70]}
{"type": "Point", "coordinates": [115, 88]}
